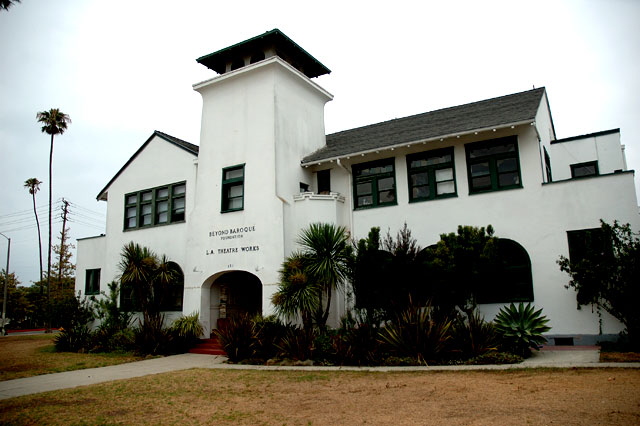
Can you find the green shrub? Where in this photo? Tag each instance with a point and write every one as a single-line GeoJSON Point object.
{"type": "Point", "coordinates": [77, 336]}
{"type": "Point", "coordinates": [495, 357]}
{"type": "Point", "coordinates": [414, 333]}
{"type": "Point", "coordinates": [520, 328]}
{"type": "Point", "coordinates": [186, 331]}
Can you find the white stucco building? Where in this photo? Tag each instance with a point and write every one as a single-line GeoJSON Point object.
{"type": "Point", "coordinates": [228, 211]}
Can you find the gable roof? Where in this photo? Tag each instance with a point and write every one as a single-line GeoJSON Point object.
{"type": "Point", "coordinates": [512, 109]}
{"type": "Point", "coordinates": [189, 147]}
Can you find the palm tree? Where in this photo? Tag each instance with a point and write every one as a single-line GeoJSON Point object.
{"type": "Point", "coordinates": [147, 278]}
{"type": "Point", "coordinates": [6, 4]}
{"type": "Point", "coordinates": [329, 254]}
{"type": "Point", "coordinates": [54, 122]}
{"type": "Point", "coordinates": [297, 293]}
{"type": "Point", "coordinates": [33, 184]}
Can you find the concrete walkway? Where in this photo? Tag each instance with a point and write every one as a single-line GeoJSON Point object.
{"type": "Point", "coordinates": [586, 358]}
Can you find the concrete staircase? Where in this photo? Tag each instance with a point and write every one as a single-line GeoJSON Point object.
{"type": "Point", "coordinates": [208, 347]}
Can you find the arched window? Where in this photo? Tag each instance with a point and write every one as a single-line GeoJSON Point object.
{"type": "Point", "coordinates": [510, 280]}
{"type": "Point", "coordinates": [172, 299]}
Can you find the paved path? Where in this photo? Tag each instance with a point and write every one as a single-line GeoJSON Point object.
{"type": "Point", "coordinates": [49, 382]}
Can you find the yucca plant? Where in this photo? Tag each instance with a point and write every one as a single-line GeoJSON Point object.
{"type": "Point", "coordinates": [521, 327]}
{"type": "Point", "coordinates": [415, 333]}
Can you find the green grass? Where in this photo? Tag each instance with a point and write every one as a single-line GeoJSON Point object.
{"type": "Point", "coordinates": [33, 355]}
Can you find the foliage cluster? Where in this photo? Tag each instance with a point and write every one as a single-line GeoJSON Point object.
{"type": "Point", "coordinates": [607, 275]}
{"type": "Point", "coordinates": [414, 337]}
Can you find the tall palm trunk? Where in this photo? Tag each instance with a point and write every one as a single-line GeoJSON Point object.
{"type": "Point", "coordinates": [48, 320]}
{"type": "Point", "coordinates": [35, 212]}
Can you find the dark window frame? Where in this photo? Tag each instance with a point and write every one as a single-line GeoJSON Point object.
{"type": "Point", "coordinates": [231, 182]}
{"type": "Point", "coordinates": [145, 206]}
{"type": "Point", "coordinates": [92, 282]}
{"type": "Point", "coordinates": [475, 157]}
{"type": "Point", "coordinates": [361, 177]}
{"type": "Point", "coordinates": [323, 178]}
{"type": "Point", "coordinates": [577, 166]}
{"type": "Point", "coordinates": [431, 171]}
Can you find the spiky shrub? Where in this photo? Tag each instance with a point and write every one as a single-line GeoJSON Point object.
{"type": "Point", "coordinates": [238, 337]}
{"type": "Point", "coordinates": [415, 333]}
{"type": "Point", "coordinates": [472, 335]}
{"type": "Point", "coordinates": [77, 336]}
{"type": "Point", "coordinates": [520, 328]}
{"type": "Point", "coordinates": [297, 343]}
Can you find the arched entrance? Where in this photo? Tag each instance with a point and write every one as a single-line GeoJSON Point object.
{"type": "Point", "coordinates": [233, 293]}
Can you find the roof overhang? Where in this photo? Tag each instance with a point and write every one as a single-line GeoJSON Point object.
{"type": "Point", "coordinates": [417, 142]}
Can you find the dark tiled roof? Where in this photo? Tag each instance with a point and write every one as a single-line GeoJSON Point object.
{"type": "Point", "coordinates": [194, 149]}
{"type": "Point", "coordinates": [510, 109]}
{"type": "Point", "coordinates": [276, 39]}
{"type": "Point", "coordinates": [189, 147]}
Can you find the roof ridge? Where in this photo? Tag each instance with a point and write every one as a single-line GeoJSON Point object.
{"type": "Point", "coordinates": [434, 111]}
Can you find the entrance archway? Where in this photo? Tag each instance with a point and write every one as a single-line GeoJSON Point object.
{"type": "Point", "coordinates": [233, 293]}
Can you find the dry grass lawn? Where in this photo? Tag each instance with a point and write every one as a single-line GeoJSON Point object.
{"type": "Point", "coordinates": [224, 397]}
{"type": "Point", "coordinates": [32, 355]}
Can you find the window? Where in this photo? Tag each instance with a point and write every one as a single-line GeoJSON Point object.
{"type": "Point", "coordinates": [375, 184]}
{"type": "Point", "coordinates": [547, 165]}
{"type": "Point", "coordinates": [584, 241]}
{"type": "Point", "coordinates": [431, 175]}
{"type": "Point", "coordinates": [157, 206]}
{"type": "Point", "coordinates": [324, 181]}
{"type": "Point", "coordinates": [92, 282]}
{"type": "Point", "coordinates": [584, 169]}
{"type": "Point", "coordinates": [166, 296]}
{"type": "Point", "coordinates": [493, 165]}
{"type": "Point", "coordinates": [304, 187]}
{"type": "Point", "coordinates": [233, 188]}
{"type": "Point", "coordinates": [509, 279]}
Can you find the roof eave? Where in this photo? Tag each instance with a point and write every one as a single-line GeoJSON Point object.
{"type": "Point", "coordinates": [416, 142]}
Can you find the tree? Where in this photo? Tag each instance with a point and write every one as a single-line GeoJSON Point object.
{"type": "Point", "coordinates": [606, 274]}
{"type": "Point", "coordinates": [6, 4]}
{"type": "Point", "coordinates": [33, 185]}
{"type": "Point", "coordinates": [327, 248]}
{"type": "Point", "coordinates": [297, 293]}
{"type": "Point", "coordinates": [145, 279]}
{"type": "Point", "coordinates": [54, 122]}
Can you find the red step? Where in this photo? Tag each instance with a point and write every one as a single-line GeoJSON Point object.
{"type": "Point", "coordinates": [208, 347]}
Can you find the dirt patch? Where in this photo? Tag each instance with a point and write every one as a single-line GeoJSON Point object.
{"type": "Point", "coordinates": [195, 397]}
{"type": "Point", "coordinates": [619, 357]}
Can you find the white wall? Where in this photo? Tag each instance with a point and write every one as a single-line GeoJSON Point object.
{"type": "Point", "coordinates": [160, 163]}
{"type": "Point", "coordinates": [605, 149]}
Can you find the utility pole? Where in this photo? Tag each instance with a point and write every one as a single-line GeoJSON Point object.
{"type": "Point", "coordinates": [63, 237]}
{"type": "Point", "coordinates": [6, 282]}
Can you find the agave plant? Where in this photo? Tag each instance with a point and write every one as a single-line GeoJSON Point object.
{"type": "Point", "coordinates": [521, 328]}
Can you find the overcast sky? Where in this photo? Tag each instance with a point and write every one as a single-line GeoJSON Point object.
{"type": "Point", "coordinates": [124, 69]}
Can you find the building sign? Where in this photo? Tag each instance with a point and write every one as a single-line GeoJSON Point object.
{"type": "Point", "coordinates": [228, 235]}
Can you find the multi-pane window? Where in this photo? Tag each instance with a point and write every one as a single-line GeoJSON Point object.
{"type": "Point", "coordinates": [92, 282]}
{"type": "Point", "coordinates": [493, 165]}
{"type": "Point", "coordinates": [156, 206]}
{"type": "Point", "coordinates": [375, 184]}
{"type": "Point", "coordinates": [233, 188]}
{"type": "Point", "coordinates": [584, 169]}
{"type": "Point", "coordinates": [431, 175]}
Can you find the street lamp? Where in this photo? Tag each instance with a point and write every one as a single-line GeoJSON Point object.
{"type": "Point", "coordinates": [6, 281]}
